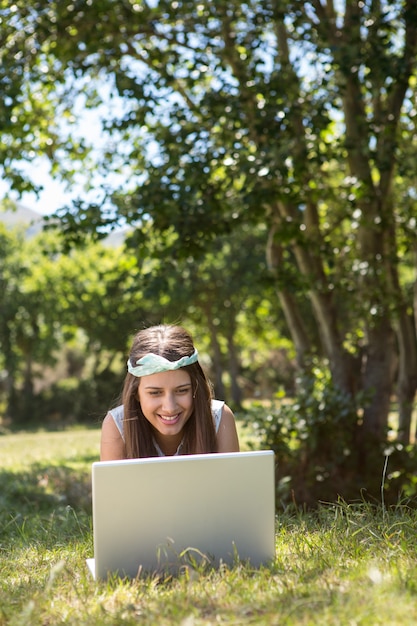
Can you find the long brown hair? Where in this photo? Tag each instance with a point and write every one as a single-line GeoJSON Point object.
{"type": "Point", "coordinates": [171, 342]}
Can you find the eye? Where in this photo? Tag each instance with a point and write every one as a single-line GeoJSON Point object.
{"type": "Point", "coordinates": [154, 393]}
{"type": "Point", "coordinates": [183, 390]}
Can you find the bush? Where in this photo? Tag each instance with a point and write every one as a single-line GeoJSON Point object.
{"type": "Point", "coordinates": [68, 401]}
{"type": "Point", "coordinates": [322, 453]}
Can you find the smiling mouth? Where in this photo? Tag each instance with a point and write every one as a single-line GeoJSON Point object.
{"type": "Point", "coordinates": [171, 418]}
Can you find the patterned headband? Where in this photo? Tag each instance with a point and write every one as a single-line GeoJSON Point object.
{"type": "Point", "coordinates": [153, 364]}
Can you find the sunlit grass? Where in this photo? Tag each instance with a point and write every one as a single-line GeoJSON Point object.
{"type": "Point", "coordinates": [353, 565]}
{"type": "Point", "coordinates": [21, 450]}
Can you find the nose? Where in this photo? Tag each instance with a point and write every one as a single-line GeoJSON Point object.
{"type": "Point", "coordinates": [169, 404]}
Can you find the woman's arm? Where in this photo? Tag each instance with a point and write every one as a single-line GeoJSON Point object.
{"type": "Point", "coordinates": [112, 446]}
{"type": "Point", "coordinates": [227, 439]}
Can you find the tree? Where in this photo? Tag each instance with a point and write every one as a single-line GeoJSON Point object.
{"type": "Point", "coordinates": [218, 296]}
{"type": "Point", "coordinates": [73, 312]}
{"type": "Point", "coordinates": [28, 331]}
{"type": "Point", "coordinates": [291, 114]}
{"type": "Point", "coordinates": [36, 98]}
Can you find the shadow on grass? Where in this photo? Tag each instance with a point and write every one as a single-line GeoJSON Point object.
{"type": "Point", "coordinates": [48, 505]}
{"type": "Point", "coordinates": [45, 486]}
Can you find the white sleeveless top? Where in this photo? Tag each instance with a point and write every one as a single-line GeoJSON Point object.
{"type": "Point", "coordinates": [216, 410]}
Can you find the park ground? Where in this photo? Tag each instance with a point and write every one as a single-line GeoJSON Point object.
{"type": "Point", "coordinates": [342, 564]}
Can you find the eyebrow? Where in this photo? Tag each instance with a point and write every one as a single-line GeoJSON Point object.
{"type": "Point", "coordinates": [177, 387]}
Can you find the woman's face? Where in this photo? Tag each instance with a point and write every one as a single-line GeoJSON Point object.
{"type": "Point", "coordinates": [166, 400]}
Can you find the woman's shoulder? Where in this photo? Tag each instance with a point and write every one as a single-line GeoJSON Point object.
{"type": "Point", "coordinates": [117, 414]}
{"type": "Point", "coordinates": [217, 410]}
{"type": "Point", "coordinates": [217, 405]}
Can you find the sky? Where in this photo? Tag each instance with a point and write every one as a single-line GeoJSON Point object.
{"type": "Point", "coordinates": [53, 196]}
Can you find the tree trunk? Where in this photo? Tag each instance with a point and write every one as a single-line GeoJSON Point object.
{"type": "Point", "coordinates": [407, 374]}
{"type": "Point", "coordinates": [406, 334]}
{"type": "Point", "coordinates": [342, 364]}
{"type": "Point", "coordinates": [288, 303]}
{"type": "Point", "coordinates": [415, 318]}
{"type": "Point", "coordinates": [378, 377]}
{"type": "Point", "coordinates": [217, 358]}
{"type": "Point", "coordinates": [234, 367]}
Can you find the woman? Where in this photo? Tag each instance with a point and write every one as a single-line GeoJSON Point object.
{"type": "Point", "coordinates": [167, 407]}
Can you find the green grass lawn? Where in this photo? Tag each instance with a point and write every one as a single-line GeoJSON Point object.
{"type": "Point", "coordinates": [352, 565]}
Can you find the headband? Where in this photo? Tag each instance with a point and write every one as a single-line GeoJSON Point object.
{"type": "Point", "coordinates": [153, 364]}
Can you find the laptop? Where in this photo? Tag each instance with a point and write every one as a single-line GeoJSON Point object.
{"type": "Point", "coordinates": [158, 515]}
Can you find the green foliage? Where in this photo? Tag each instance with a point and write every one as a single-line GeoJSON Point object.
{"type": "Point", "coordinates": [317, 407]}
{"type": "Point", "coordinates": [401, 476]}
{"type": "Point", "coordinates": [68, 318]}
{"type": "Point", "coordinates": [297, 121]}
{"type": "Point", "coordinates": [71, 401]}
{"type": "Point", "coordinates": [319, 444]}
{"type": "Point", "coordinates": [65, 322]}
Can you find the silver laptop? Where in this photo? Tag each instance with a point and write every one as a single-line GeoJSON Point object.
{"type": "Point", "coordinates": [157, 515]}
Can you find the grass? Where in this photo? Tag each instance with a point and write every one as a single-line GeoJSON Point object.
{"type": "Point", "coordinates": [353, 565]}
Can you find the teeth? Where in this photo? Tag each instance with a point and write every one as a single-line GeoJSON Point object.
{"type": "Point", "coordinates": [169, 419]}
